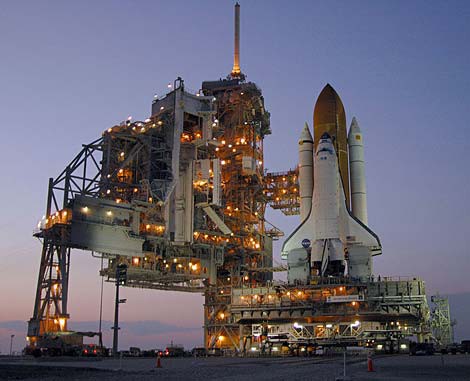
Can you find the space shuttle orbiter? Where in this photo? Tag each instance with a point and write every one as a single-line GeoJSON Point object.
{"type": "Point", "coordinates": [330, 235]}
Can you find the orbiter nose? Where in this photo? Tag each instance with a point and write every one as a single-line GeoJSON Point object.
{"type": "Point", "coordinates": [326, 135]}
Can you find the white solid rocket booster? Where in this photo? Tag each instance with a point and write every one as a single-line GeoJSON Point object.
{"type": "Point", "coordinates": [305, 172]}
{"type": "Point", "coordinates": [357, 172]}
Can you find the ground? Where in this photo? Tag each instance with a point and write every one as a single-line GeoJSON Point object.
{"type": "Point", "coordinates": [397, 367]}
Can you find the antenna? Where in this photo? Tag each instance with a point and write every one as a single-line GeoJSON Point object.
{"type": "Point", "coordinates": [236, 72]}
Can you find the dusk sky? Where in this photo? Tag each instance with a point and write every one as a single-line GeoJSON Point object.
{"type": "Point", "coordinates": [71, 69]}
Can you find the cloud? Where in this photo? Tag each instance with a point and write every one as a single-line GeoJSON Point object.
{"type": "Point", "coordinates": [14, 325]}
{"type": "Point", "coordinates": [145, 334]}
{"type": "Point", "coordinates": [135, 327]}
{"type": "Point", "coordinates": [8, 328]}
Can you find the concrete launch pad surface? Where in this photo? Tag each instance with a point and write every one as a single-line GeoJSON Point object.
{"type": "Point", "coordinates": [386, 368]}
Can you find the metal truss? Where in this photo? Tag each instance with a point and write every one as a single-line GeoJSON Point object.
{"type": "Point", "coordinates": [341, 332]}
{"type": "Point", "coordinates": [82, 176]}
{"type": "Point", "coordinates": [441, 323]}
{"type": "Point", "coordinates": [219, 329]}
{"type": "Point", "coordinates": [50, 307]}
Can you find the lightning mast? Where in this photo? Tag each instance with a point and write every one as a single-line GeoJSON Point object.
{"type": "Point", "coordinates": [236, 71]}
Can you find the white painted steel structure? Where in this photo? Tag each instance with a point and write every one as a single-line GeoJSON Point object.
{"type": "Point", "coordinates": [357, 172]}
{"type": "Point", "coordinates": [305, 172]}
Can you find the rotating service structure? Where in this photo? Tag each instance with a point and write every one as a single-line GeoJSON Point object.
{"type": "Point", "coordinates": [177, 197]}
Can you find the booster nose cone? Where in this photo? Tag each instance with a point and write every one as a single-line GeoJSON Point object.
{"type": "Point", "coordinates": [306, 136]}
{"type": "Point", "coordinates": [354, 129]}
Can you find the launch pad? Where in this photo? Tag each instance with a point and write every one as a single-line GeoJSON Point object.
{"type": "Point", "coordinates": [330, 312]}
{"type": "Point", "coordinates": [178, 200]}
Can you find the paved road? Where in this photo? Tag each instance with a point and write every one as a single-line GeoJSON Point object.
{"type": "Point", "coordinates": [438, 367]}
{"type": "Point", "coordinates": [228, 369]}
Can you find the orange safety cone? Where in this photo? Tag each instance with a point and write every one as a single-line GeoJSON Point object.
{"type": "Point", "coordinates": [159, 361]}
{"type": "Point", "coordinates": [370, 365]}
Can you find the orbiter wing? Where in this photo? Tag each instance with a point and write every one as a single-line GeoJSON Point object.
{"type": "Point", "coordinates": [354, 232]}
{"type": "Point", "coordinates": [306, 230]}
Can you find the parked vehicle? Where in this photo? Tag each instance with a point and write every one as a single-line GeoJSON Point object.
{"type": "Point", "coordinates": [68, 343]}
{"type": "Point", "coordinates": [465, 346]}
{"type": "Point", "coordinates": [135, 352]}
{"type": "Point", "coordinates": [174, 351]}
{"type": "Point", "coordinates": [92, 350]}
{"type": "Point", "coordinates": [419, 349]}
{"type": "Point", "coordinates": [214, 352]}
{"type": "Point", "coordinates": [199, 352]}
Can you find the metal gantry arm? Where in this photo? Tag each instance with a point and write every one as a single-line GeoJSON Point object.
{"type": "Point", "coordinates": [82, 176]}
